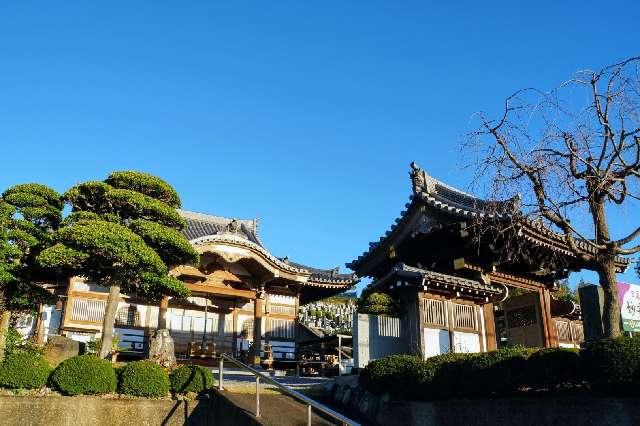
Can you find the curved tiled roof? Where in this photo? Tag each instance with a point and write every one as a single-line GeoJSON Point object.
{"type": "Point", "coordinates": [244, 242]}
{"type": "Point", "coordinates": [201, 224]}
{"type": "Point", "coordinates": [203, 228]}
{"type": "Point", "coordinates": [402, 270]}
{"type": "Point", "coordinates": [434, 193]}
{"type": "Point", "coordinates": [322, 276]}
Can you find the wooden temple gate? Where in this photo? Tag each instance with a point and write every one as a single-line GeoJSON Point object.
{"type": "Point", "coordinates": [450, 259]}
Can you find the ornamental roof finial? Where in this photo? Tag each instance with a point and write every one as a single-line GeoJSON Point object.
{"type": "Point", "coordinates": [420, 180]}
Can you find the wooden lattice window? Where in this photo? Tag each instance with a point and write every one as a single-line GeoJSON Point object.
{"type": "Point", "coordinates": [280, 309]}
{"type": "Point", "coordinates": [435, 312]}
{"type": "Point", "coordinates": [281, 328]}
{"type": "Point", "coordinates": [522, 317]}
{"type": "Point", "coordinates": [128, 316]}
{"type": "Point", "coordinates": [464, 316]}
{"type": "Point", "coordinates": [90, 310]}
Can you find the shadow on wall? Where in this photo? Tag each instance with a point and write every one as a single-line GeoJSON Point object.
{"type": "Point", "coordinates": [378, 336]}
{"type": "Point", "coordinates": [211, 409]}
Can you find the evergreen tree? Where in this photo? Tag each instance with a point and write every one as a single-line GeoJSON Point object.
{"type": "Point", "coordinates": [29, 215]}
{"type": "Point", "coordinates": [124, 234]}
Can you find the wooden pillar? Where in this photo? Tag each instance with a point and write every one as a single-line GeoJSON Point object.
{"type": "Point", "coordinates": [548, 328]}
{"type": "Point", "coordinates": [162, 314]}
{"type": "Point", "coordinates": [234, 328]}
{"type": "Point", "coordinates": [450, 324]}
{"type": "Point", "coordinates": [553, 332]}
{"type": "Point", "coordinates": [420, 297]}
{"type": "Point", "coordinates": [68, 308]}
{"type": "Point", "coordinates": [258, 307]}
{"type": "Point", "coordinates": [490, 327]}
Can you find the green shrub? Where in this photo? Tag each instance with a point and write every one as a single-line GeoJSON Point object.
{"type": "Point", "coordinates": [143, 378]}
{"type": "Point", "coordinates": [378, 304]}
{"type": "Point", "coordinates": [489, 373]}
{"type": "Point", "coordinates": [402, 376]}
{"type": "Point", "coordinates": [24, 370]}
{"type": "Point", "coordinates": [84, 374]}
{"type": "Point", "coordinates": [612, 365]}
{"type": "Point", "coordinates": [551, 368]}
{"type": "Point", "coordinates": [190, 378]}
{"type": "Point", "coordinates": [13, 340]}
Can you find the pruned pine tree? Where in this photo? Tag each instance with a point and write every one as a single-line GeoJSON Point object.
{"type": "Point", "coordinates": [123, 234]}
{"type": "Point", "coordinates": [29, 216]}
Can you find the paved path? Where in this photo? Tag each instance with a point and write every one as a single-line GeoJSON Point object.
{"type": "Point", "coordinates": [235, 377]}
{"type": "Point", "coordinates": [277, 408]}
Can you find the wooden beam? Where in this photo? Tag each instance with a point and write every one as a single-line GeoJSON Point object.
{"type": "Point", "coordinates": [222, 291]}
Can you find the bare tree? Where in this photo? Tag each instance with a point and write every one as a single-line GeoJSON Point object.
{"type": "Point", "coordinates": [573, 153]}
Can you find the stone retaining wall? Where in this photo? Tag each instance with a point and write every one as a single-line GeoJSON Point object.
{"type": "Point", "coordinates": [96, 411]}
{"type": "Point", "coordinates": [534, 411]}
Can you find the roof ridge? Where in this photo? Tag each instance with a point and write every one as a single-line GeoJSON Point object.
{"type": "Point", "coordinates": [189, 214]}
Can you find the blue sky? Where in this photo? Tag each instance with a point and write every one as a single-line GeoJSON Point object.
{"type": "Point", "coordinates": [303, 114]}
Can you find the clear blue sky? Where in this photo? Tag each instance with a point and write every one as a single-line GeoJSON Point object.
{"type": "Point", "coordinates": [303, 114]}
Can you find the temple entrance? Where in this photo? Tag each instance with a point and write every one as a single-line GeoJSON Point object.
{"type": "Point", "coordinates": [519, 320]}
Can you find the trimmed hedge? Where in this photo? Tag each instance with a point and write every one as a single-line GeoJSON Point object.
{"type": "Point", "coordinates": [503, 372]}
{"type": "Point", "coordinates": [613, 366]}
{"type": "Point", "coordinates": [400, 375]}
{"type": "Point", "coordinates": [497, 372]}
{"type": "Point", "coordinates": [552, 368]}
{"type": "Point", "coordinates": [84, 374]}
{"type": "Point", "coordinates": [190, 378]}
{"type": "Point", "coordinates": [24, 370]}
{"type": "Point", "coordinates": [143, 378]}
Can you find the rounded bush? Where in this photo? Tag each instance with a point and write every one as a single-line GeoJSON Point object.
{"type": "Point", "coordinates": [83, 375]}
{"type": "Point", "coordinates": [144, 378]}
{"type": "Point", "coordinates": [611, 365]}
{"type": "Point", "coordinates": [551, 368]}
{"type": "Point", "coordinates": [24, 370]}
{"type": "Point", "coordinates": [190, 378]}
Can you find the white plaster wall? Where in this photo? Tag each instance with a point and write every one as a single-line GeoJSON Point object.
{"type": "Point", "coordinates": [436, 342]}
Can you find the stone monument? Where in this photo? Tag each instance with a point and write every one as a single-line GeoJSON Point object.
{"type": "Point", "coordinates": [161, 349]}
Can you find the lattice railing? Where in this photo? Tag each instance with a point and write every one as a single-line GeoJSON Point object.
{"type": "Point", "coordinates": [563, 328]}
{"type": "Point", "coordinates": [578, 332]}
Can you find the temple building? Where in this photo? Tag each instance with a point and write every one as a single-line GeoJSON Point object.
{"type": "Point", "coordinates": [453, 261]}
{"type": "Point", "coordinates": [240, 294]}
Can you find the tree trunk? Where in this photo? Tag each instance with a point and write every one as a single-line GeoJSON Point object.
{"type": "Point", "coordinates": [606, 268]}
{"type": "Point", "coordinates": [109, 318]}
{"type": "Point", "coordinates": [162, 314]}
{"type": "Point", "coordinates": [5, 316]}
{"type": "Point", "coordinates": [611, 308]}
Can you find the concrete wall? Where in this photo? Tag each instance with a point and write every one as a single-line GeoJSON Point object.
{"type": "Point", "coordinates": [376, 337]}
{"type": "Point", "coordinates": [534, 411]}
{"type": "Point", "coordinates": [96, 411]}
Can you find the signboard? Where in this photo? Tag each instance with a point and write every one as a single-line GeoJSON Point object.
{"type": "Point", "coordinates": [629, 298]}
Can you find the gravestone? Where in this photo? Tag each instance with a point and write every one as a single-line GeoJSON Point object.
{"type": "Point", "coordinates": [161, 348]}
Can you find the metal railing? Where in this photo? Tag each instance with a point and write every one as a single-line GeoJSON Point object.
{"type": "Point", "coordinates": [311, 404]}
